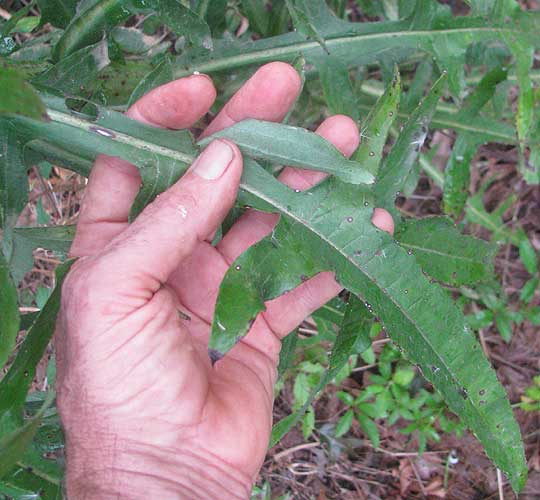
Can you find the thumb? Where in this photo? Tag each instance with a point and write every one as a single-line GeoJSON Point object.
{"type": "Point", "coordinates": [169, 228]}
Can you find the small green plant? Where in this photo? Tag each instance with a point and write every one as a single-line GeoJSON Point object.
{"type": "Point", "coordinates": [68, 74]}
{"type": "Point", "coordinates": [395, 395]}
{"type": "Point", "coordinates": [530, 401]}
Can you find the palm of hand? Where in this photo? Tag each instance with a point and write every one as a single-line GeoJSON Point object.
{"type": "Point", "coordinates": [140, 361]}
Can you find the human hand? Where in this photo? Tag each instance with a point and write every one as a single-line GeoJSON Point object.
{"type": "Point", "coordinates": [144, 412]}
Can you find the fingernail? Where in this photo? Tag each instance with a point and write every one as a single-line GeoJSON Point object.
{"type": "Point", "coordinates": [213, 161]}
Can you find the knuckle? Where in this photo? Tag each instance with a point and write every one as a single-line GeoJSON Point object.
{"type": "Point", "coordinates": [309, 295]}
{"type": "Point", "coordinates": [176, 200]}
{"type": "Point", "coordinates": [173, 203]}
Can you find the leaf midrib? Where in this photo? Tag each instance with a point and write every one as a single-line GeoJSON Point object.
{"type": "Point", "coordinates": [438, 252]}
{"type": "Point", "coordinates": [304, 223]}
{"type": "Point", "coordinates": [39, 473]}
{"type": "Point", "coordinates": [120, 137]}
{"type": "Point", "coordinates": [294, 47]}
{"type": "Point", "coordinates": [284, 210]}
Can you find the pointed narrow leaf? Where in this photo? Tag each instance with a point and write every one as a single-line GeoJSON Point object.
{"type": "Point", "coordinates": [37, 150]}
{"type": "Point", "coordinates": [13, 183]}
{"type": "Point", "coordinates": [292, 146]}
{"type": "Point", "coordinates": [57, 12]}
{"type": "Point", "coordinates": [483, 92]}
{"type": "Point", "coordinates": [73, 74]}
{"type": "Point", "coordinates": [527, 113]}
{"type": "Point", "coordinates": [337, 86]}
{"type": "Point", "coordinates": [16, 382]}
{"type": "Point", "coordinates": [13, 446]}
{"type": "Point", "coordinates": [27, 239]}
{"type": "Point", "coordinates": [457, 175]}
{"type": "Point", "coordinates": [477, 214]}
{"type": "Point", "coordinates": [57, 238]}
{"type": "Point", "coordinates": [398, 164]}
{"type": "Point", "coordinates": [418, 86]}
{"type": "Point", "coordinates": [457, 171]}
{"type": "Point", "coordinates": [354, 332]}
{"type": "Point", "coordinates": [18, 96]}
{"type": "Point", "coordinates": [161, 74]}
{"type": "Point", "coordinates": [9, 312]}
{"type": "Point", "coordinates": [332, 224]}
{"type": "Point", "coordinates": [344, 423]}
{"type": "Point", "coordinates": [370, 428]}
{"type": "Point", "coordinates": [303, 21]}
{"type": "Point", "coordinates": [375, 130]}
{"type": "Point", "coordinates": [89, 25]}
{"type": "Point", "coordinates": [528, 256]}
{"type": "Point", "coordinates": [446, 254]}
{"type": "Point", "coordinates": [354, 336]}
{"type": "Point", "coordinates": [183, 22]}
{"type": "Point", "coordinates": [136, 41]}
{"type": "Point", "coordinates": [286, 355]}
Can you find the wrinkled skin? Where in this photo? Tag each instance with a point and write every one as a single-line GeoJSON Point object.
{"type": "Point", "coordinates": [145, 413]}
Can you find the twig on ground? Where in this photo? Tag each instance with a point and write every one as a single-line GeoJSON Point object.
{"type": "Point", "coordinates": [500, 484]}
{"type": "Point", "coordinates": [5, 14]}
{"type": "Point", "coordinates": [288, 451]}
{"type": "Point", "coordinates": [418, 479]}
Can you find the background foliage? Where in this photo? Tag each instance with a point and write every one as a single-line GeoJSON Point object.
{"type": "Point", "coordinates": [410, 73]}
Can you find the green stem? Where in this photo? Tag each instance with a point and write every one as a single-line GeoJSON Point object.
{"type": "Point", "coordinates": [434, 173]}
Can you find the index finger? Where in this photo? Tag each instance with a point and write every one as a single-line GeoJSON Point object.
{"type": "Point", "coordinates": [267, 95]}
{"type": "Point", "coordinates": [113, 183]}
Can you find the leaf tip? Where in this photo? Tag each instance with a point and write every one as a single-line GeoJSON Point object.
{"type": "Point", "coordinates": [214, 356]}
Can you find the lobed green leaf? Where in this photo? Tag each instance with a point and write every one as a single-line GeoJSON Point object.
{"type": "Point", "coordinates": [446, 254]}
{"type": "Point", "coordinates": [18, 96]}
{"type": "Point", "coordinates": [337, 86]}
{"type": "Point", "coordinates": [399, 163]}
{"type": "Point", "coordinates": [161, 74]}
{"type": "Point", "coordinates": [57, 12]}
{"type": "Point", "coordinates": [294, 146]}
{"type": "Point", "coordinates": [332, 225]}
{"type": "Point", "coordinates": [89, 24]}
{"type": "Point", "coordinates": [75, 72]}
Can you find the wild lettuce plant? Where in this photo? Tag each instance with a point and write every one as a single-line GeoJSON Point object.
{"type": "Point", "coordinates": [417, 69]}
